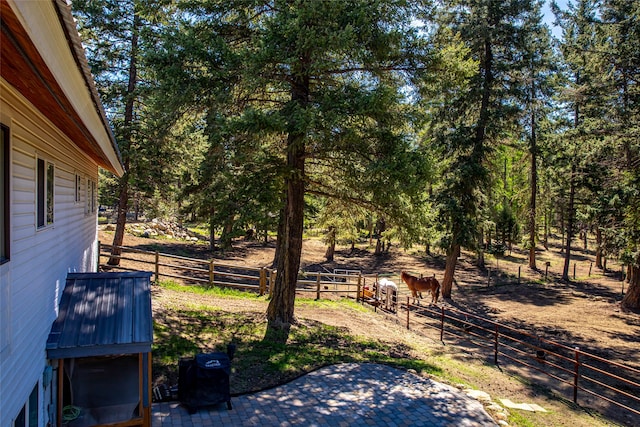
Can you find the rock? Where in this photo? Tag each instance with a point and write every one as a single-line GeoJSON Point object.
{"type": "Point", "coordinates": [149, 232]}
{"type": "Point", "coordinates": [109, 227]}
{"type": "Point", "coordinates": [479, 395]}
{"type": "Point", "coordinates": [500, 416]}
{"type": "Point", "coordinates": [494, 407]}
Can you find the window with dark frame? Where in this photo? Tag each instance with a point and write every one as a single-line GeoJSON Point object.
{"type": "Point", "coordinates": [91, 197]}
{"type": "Point", "coordinates": [78, 188]}
{"type": "Point", "coordinates": [45, 187]}
{"type": "Point", "coordinates": [4, 194]}
{"type": "Point", "coordinates": [29, 414]}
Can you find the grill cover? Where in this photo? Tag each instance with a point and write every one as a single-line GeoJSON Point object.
{"type": "Point", "coordinates": [204, 380]}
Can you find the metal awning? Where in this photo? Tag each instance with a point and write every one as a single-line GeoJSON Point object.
{"type": "Point", "coordinates": [103, 314]}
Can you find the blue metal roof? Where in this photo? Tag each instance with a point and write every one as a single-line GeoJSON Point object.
{"type": "Point", "coordinates": [102, 314]}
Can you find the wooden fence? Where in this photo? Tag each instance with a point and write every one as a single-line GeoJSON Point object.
{"type": "Point", "coordinates": [212, 273]}
{"type": "Point", "coordinates": [568, 367]}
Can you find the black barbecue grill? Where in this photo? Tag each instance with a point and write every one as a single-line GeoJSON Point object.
{"type": "Point", "coordinates": [203, 380]}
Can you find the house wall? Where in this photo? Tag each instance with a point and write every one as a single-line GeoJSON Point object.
{"type": "Point", "coordinates": [31, 283]}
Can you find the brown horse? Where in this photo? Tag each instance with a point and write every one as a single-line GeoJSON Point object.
{"type": "Point", "coordinates": [417, 285]}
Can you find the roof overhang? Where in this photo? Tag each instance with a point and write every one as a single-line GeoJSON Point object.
{"type": "Point", "coordinates": [103, 314]}
{"type": "Point", "coordinates": [42, 56]}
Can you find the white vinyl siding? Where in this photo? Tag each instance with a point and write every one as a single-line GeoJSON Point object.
{"type": "Point", "coordinates": [31, 283]}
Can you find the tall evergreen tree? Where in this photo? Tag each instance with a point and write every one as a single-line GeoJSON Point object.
{"type": "Point", "coordinates": [585, 96]}
{"type": "Point", "coordinates": [474, 120]}
{"type": "Point", "coordinates": [318, 86]}
{"type": "Point", "coordinates": [115, 33]}
{"type": "Point", "coordinates": [621, 28]}
{"type": "Point", "coordinates": [539, 65]}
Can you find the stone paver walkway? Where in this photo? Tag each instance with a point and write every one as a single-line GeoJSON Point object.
{"type": "Point", "coordinates": [342, 395]}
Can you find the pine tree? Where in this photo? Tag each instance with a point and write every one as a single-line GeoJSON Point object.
{"type": "Point", "coordinates": [115, 34]}
{"type": "Point", "coordinates": [539, 59]}
{"type": "Point", "coordinates": [620, 21]}
{"type": "Point", "coordinates": [471, 122]}
{"type": "Point", "coordinates": [316, 87]}
{"type": "Point", "coordinates": [585, 96]}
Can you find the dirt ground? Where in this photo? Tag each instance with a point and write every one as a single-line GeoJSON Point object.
{"type": "Point", "coordinates": [583, 313]}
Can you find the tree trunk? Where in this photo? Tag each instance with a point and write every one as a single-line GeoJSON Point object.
{"type": "Point", "coordinates": [570, 218]}
{"type": "Point", "coordinates": [123, 198]}
{"type": "Point", "coordinates": [212, 232]}
{"type": "Point", "coordinates": [632, 297]}
{"type": "Point", "coordinates": [449, 270]}
{"type": "Point", "coordinates": [121, 220]}
{"type": "Point", "coordinates": [546, 230]}
{"type": "Point", "coordinates": [136, 206]}
{"type": "Point", "coordinates": [227, 232]}
{"type": "Point", "coordinates": [331, 244]}
{"type": "Point", "coordinates": [533, 149]}
{"type": "Point", "coordinates": [280, 312]}
{"type": "Point", "coordinates": [598, 248]}
{"type": "Point", "coordinates": [562, 230]}
{"type": "Point", "coordinates": [480, 251]}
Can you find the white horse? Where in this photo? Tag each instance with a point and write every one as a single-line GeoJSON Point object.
{"type": "Point", "coordinates": [386, 284]}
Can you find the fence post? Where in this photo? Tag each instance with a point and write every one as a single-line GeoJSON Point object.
{"type": "Point", "coordinates": [358, 291]}
{"type": "Point", "coordinates": [574, 271]}
{"type": "Point", "coordinates": [408, 310]}
{"type": "Point", "coordinates": [359, 287]}
{"type": "Point", "coordinates": [211, 273]}
{"type": "Point", "coordinates": [495, 344]}
{"type": "Point", "coordinates": [576, 374]}
{"type": "Point", "coordinates": [519, 267]}
{"type": "Point", "coordinates": [546, 270]}
{"type": "Point", "coordinates": [590, 267]}
{"type": "Point", "coordinates": [318, 286]}
{"type": "Point", "coordinates": [157, 267]}
{"type": "Point", "coordinates": [263, 281]}
{"type": "Point", "coordinates": [442, 325]}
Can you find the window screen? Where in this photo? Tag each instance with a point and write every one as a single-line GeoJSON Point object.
{"type": "Point", "coordinates": [45, 187]}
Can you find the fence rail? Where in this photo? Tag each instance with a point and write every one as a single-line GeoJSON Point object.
{"type": "Point", "coordinates": [575, 369]}
{"type": "Point", "coordinates": [213, 273]}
